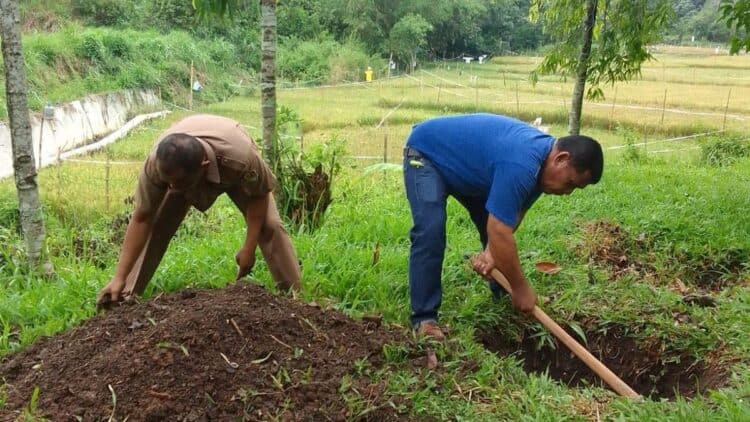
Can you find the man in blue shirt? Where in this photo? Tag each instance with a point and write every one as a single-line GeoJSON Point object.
{"type": "Point", "coordinates": [496, 167]}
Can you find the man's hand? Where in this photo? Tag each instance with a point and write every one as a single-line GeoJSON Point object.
{"type": "Point", "coordinates": [245, 259]}
{"type": "Point", "coordinates": [524, 298]}
{"type": "Point", "coordinates": [483, 264]}
{"type": "Point", "coordinates": [110, 294]}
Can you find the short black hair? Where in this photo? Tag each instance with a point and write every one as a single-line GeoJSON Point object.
{"type": "Point", "coordinates": [180, 151]}
{"type": "Point", "coordinates": [585, 154]}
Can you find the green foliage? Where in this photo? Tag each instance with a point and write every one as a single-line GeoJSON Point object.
{"type": "Point", "coordinates": [622, 31]}
{"type": "Point", "coordinates": [736, 14]}
{"type": "Point", "coordinates": [91, 47]}
{"type": "Point", "coordinates": [723, 151]}
{"type": "Point", "coordinates": [305, 60]}
{"type": "Point", "coordinates": [75, 61]}
{"type": "Point", "coordinates": [407, 37]}
{"type": "Point", "coordinates": [172, 14]}
{"type": "Point", "coordinates": [103, 12]}
{"type": "Point", "coordinates": [322, 61]}
{"type": "Point", "coordinates": [349, 62]}
{"type": "Point", "coordinates": [633, 154]}
{"type": "Point", "coordinates": [305, 178]}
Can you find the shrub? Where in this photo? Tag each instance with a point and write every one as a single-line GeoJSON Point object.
{"type": "Point", "coordinates": [91, 47]}
{"type": "Point", "coordinates": [722, 151]}
{"type": "Point", "coordinates": [632, 154]}
{"type": "Point", "coordinates": [305, 179]}
{"type": "Point", "coordinates": [117, 44]}
{"type": "Point", "coordinates": [103, 12]}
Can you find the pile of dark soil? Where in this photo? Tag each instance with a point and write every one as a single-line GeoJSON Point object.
{"type": "Point", "coordinates": [646, 368]}
{"type": "Point", "coordinates": [238, 353]}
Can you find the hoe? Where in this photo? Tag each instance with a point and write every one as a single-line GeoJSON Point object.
{"type": "Point", "coordinates": [618, 385]}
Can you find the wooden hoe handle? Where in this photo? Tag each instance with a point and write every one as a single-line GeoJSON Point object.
{"type": "Point", "coordinates": [599, 368]}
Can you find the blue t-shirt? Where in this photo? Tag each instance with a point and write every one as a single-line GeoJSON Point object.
{"type": "Point", "coordinates": [488, 156]}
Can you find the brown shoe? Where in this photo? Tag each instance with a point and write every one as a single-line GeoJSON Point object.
{"type": "Point", "coordinates": [430, 329]}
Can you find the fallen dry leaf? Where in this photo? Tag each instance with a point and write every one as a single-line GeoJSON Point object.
{"type": "Point", "coordinates": [546, 267]}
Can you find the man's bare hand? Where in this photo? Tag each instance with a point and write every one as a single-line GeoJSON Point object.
{"type": "Point", "coordinates": [245, 259]}
{"type": "Point", "coordinates": [483, 264]}
{"type": "Point", "coordinates": [110, 294]}
{"type": "Point", "coordinates": [524, 298]}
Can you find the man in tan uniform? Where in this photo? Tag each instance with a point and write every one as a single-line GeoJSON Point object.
{"type": "Point", "coordinates": [195, 161]}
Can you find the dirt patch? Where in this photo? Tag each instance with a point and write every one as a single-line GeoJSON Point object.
{"type": "Point", "coordinates": [609, 245]}
{"type": "Point", "coordinates": [645, 368]}
{"type": "Point", "coordinates": [720, 272]}
{"type": "Point", "coordinates": [237, 353]}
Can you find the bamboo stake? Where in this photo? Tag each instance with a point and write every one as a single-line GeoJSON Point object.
{"type": "Point", "coordinates": [612, 111]}
{"type": "Point", "coordinates": [726, 108]}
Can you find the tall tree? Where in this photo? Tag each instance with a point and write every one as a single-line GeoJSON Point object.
{"type": "Point", "coordinates": [598, 41]}
{"type": "Point", "coordinates": [220, 8]}
{"type": "Point", "coordinates": [29, 205]}
{"type": "Point", "coordinates": [407, 37]}
{"type": "Point", "coordinates": [268, 81]}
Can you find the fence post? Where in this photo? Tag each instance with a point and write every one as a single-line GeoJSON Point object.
{"type": "Point", "coordinates": [518, 104]}
{"type": "Point", "coordinates": [385, 142]}
{"type": "Point", "coordinates": [726, 108]}
{"type": "Point", "coordinates": [612, 111]}
{"type": "Point", "coordinates": [663, 107]}
{"type": "Point", "coordinates": [107, 166]}
{"type": "Point", "coordinates": [476, 93]}
{"type": "Point", "coordinates": [41, 134]}
{"type": "Point", "coordinates": [59, 166]}
{"type": "Point", "coordinates": [190, 88]}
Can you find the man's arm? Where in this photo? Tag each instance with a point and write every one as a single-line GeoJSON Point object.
{"type": "Point", "coordinates": [521, 215]}
{"type": "Point", "coordinates": [136, 236]}
{"type": "Point", "coordinates": [502, 247]}
{"type": "Point", "coordinates": [255, 214]}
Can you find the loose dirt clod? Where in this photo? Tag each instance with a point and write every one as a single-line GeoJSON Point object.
{"type": "Point", "coordinates": [190, 364]}
{"type": "Point", "coordinates": [645, 369]}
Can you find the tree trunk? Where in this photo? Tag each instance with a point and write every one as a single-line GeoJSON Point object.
{"type": "Point", "coordinates": [574, 122]}
{"type": "Point", "coordinates": [268, 81]}
{"type": "Point", "coordinates": [29, 206]}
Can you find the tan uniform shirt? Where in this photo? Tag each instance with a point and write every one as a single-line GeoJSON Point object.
{"type": "Point", "coordinates": [234, 163]}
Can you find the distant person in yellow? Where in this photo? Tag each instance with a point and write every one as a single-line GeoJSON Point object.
{"type": "Point", "coordinates": [368, 74]}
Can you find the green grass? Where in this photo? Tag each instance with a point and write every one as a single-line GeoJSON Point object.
{"type": "Point", "coordinates": [689, 213]}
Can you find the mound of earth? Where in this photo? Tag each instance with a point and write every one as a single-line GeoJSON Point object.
{"type": "Point", "coordinates": [238, 353]}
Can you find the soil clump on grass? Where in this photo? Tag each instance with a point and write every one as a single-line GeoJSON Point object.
{"type": "Point", "coordinates": [646, 368]}
{"type": "Point", "coordinates": [237, 353]}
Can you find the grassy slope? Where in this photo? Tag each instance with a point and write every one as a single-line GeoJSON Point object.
{"type": "Point", "coordinates": [74, 61]}
{"type": "Point", "coordinates": [685, 208]}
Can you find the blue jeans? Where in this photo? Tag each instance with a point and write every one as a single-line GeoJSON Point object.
{"type": "Point", "coordinates": [427, 193]}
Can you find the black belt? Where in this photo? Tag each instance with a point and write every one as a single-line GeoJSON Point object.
{"type": "Point", "coordinates": [410, 152]}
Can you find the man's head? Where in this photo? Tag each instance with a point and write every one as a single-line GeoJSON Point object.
{"type": "Point", "coordinates": [181, 161]}
{"type": "Point", "coordinates": [575, 161]}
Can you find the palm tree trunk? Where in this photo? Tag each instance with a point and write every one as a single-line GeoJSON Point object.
{"type": "Point", "coordinates": [574, 122]}
{"type": "Point", "coordinates": [268, 81]}
{"type": "Point", "coordinates": [29, 205]}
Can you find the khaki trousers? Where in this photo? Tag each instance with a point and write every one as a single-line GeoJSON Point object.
{"type": "Point", "coordinates": [274, 243]}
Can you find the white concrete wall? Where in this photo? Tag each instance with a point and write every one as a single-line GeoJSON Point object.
{"type": "Point", "coordinates": [75, 124]}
